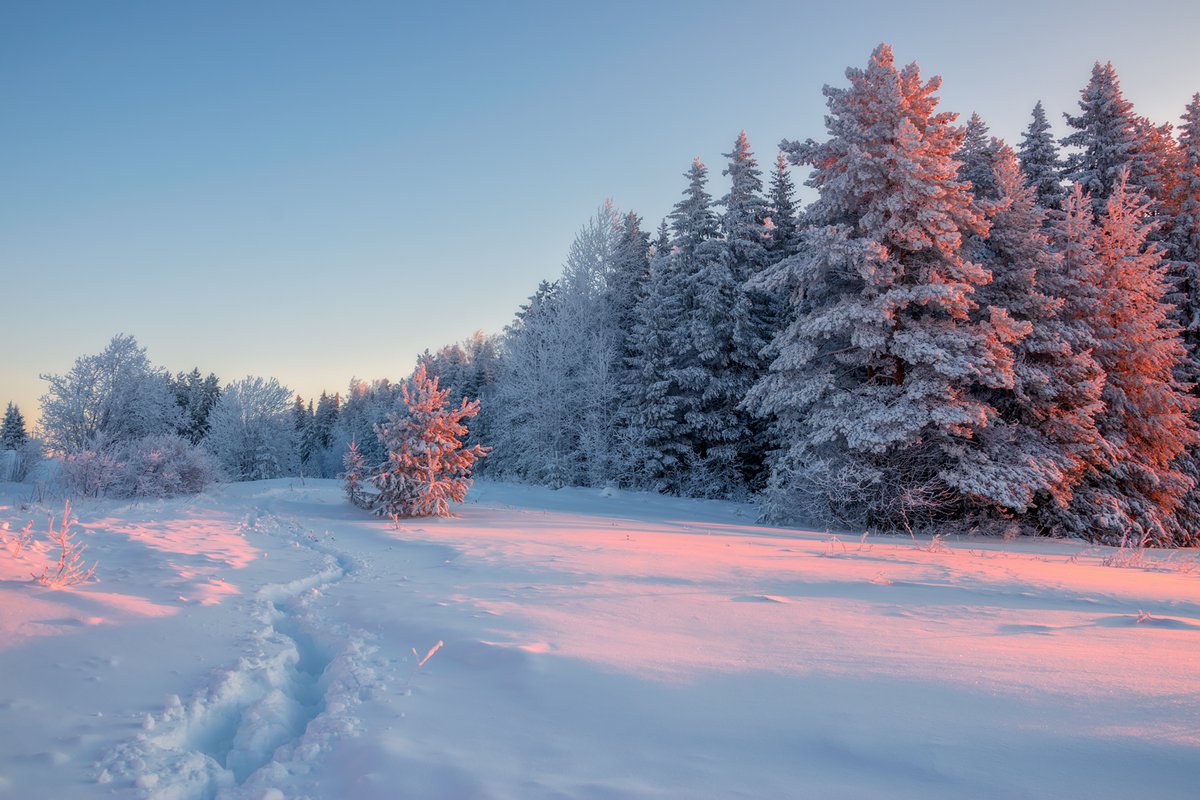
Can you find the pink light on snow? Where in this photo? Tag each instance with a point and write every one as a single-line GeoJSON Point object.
{"type": "Point", "coordinates": [681, 599]}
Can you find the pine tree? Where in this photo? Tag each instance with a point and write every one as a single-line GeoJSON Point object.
{"type": "Point", "coordinates": [1104, 135]}
{"type": "Point", "coordinates": [1040, 161]}
{"type": "Point", "coordinates": [873, 388]}
{"type": "Point", "coordinates": [428, 467]}
{"type": "Point", "coordinates": [1146, 422]}
{"type": "Point", "coordinates": [13, 435]}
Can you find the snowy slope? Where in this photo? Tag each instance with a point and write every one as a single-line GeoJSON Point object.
{"type": "Point", "coordinates": [263, 641]}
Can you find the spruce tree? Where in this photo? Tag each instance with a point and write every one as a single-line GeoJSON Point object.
{"type": "Point", "coordinates": [1183, 247]}
{"type": "Point", "coordinates": [706, 372]}
{"type": "Point", "coordinates": [754, 312]}
{"type": "Point", "coordinates": [743, 221]}
{"type": "Point", "coordinates": [1156, 169]}
{"type": "Point", "coordinates": [13, 435]}
{"type": "Point", "coordinates": [354, 472]}
{"type": "Point", "coordinates": [324, 418]}
{"type": "Point", "coordinates": [1146, 421]}
{"type": "Point", "coordinates": [626, 289]}
{"type": "Point", "coordinates": [1184, 232]}
{"type": "Point", "coordinates": [873, 388]}
{"type": "Point", "coordinates": [302, 423]}
{"type": "Point", "coordinates": [657, 455]}
{"type": "Point", "coordinates": [1043, 438]}
{"type": "Point", "coordinates": [784, 238]}
{"type": "Point", "coordinates": [1040, 161]}
{"type": "Point", "coordinates": [630, 271]}
{"type": "Point", "coordinates": [977, 156]}
{"type": "Point", "coordinates": [196, 396]}
{"type": "Point", "coordinates": [1104, 136]}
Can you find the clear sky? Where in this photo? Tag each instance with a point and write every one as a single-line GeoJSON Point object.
{"type": "Point", "coordinates": [320, 190]}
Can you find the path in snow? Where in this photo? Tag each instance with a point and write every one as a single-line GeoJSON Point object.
{"type": "Point", "coordinates": [258, 724]}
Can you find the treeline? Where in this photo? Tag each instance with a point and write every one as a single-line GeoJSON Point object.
{"type": "Point", "coordinates": [124, 427]}
{"type": "Point", "coordinates": [955, 332]}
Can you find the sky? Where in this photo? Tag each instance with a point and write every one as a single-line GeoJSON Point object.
{"type": "Point", "coordinates": [316, 191]}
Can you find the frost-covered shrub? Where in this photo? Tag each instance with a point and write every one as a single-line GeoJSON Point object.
{"type": "Point", "coordinates": [89, 473]}
{"type": "Point", "coordinates": [161, 466]}
{"type": "Point", "coordinates": [153, 466]}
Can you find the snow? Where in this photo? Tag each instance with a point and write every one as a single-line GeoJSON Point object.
{"type": "Point", "coordinates": [264, 640]}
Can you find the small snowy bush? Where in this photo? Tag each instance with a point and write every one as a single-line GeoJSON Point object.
{"type": "Point", "coordinates": [89, 473]}
{"type": "Point", "coordinates": [161, 466]}
{"type": "Point", "coordinates": [153, 466]}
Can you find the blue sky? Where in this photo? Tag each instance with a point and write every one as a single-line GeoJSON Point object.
{"type": "Point", "coordinates": [315, 191]}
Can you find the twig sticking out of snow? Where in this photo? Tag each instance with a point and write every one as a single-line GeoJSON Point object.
{"type": "Point", "coordinates": [69, 571]}
{"type": "Point", "coordinates": [428, 655]}
{"type": "Point", "coordinates": [422, 661]}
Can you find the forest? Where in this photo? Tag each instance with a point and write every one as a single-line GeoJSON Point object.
{"type": "Point", "coordinates": [957, 333]}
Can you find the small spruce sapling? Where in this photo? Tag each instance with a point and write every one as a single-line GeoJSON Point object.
{"type": "Point", "coordinates": [354, 467]}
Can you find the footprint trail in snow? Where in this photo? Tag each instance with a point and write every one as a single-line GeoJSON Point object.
{"type": "Point", "coordinates": [258, 725]}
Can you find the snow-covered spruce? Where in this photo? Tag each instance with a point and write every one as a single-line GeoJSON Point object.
{"type": "Point", "coordinates": [876, 383]}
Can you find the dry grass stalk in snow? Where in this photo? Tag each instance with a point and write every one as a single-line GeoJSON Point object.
{"type": "Point", "coordinates": [16, 543]}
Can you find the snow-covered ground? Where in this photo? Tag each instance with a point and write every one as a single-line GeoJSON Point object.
{"type": "Point", "coordinates": [264, 640]}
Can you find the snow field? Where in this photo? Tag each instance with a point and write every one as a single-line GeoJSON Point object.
{"type": "Point", "coordinates": [263, 641]}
